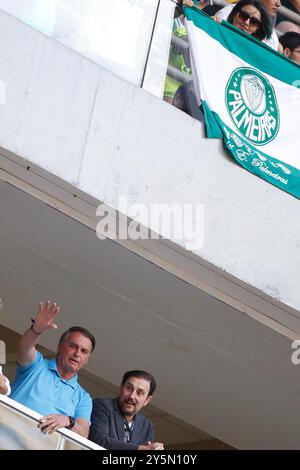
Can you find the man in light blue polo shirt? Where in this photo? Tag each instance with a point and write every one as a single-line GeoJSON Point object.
{"type": "Point", "coordinates": [50, 386]}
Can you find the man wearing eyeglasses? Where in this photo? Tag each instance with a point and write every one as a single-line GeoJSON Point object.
{"type": "Point", "coordinates": [291, 45]}
{"type": "Point", "coordinates": [117, 423]}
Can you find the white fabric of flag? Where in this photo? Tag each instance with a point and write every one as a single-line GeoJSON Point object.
{"type": "Point", "coordinates": [250, 98]}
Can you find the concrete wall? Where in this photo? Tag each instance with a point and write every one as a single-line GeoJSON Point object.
{"type": "Point", "coordinates": [107, 138]}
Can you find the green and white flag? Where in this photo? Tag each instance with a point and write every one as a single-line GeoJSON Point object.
{"type": "Point", "coordinates": [250, 97]}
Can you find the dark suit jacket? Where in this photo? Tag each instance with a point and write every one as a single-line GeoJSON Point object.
{"type": "Point", "coordinates": [107, 428]}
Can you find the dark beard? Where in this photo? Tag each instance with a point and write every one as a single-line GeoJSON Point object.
{"type": "Point", "coordinates": [124, 412]}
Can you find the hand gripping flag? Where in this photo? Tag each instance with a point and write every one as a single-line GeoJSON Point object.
{"type": "Point", "coordinates": [250, 98]}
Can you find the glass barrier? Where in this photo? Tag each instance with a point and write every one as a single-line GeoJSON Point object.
{"type": "Point", "coordinates": [115, 34]}
{"type": "Point", "coordinates": [178, 85]}
{"type": "Point", "coordinates": [139, 40]}
{"type": "Point", "coordinates": [19, 431]}
{"type": "Point", "coordinates": [157, 60]}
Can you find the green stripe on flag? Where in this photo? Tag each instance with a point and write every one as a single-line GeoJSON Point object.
{"type": "Point", "coordinates": [246, 47]}
{"type": "Point", "coordinates": [213, 130]}
{"type": "Point", "coordinates": [274, 171]}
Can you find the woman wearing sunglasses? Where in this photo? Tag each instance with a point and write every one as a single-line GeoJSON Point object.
{"type": "Point", "coordinates": [251, 17]}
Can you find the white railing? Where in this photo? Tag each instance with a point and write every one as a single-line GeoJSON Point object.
{"type": "Point", "coordinates": [19, 431]}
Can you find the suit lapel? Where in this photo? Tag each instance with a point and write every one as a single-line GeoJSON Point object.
{"type": "Point", "coordinates": [136, 434]}
{"type": "Point", "coordinates": [119, 422]}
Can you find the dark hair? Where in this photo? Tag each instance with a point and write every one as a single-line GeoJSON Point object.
{"type": "Point", "coordinates": [290, 40]}
{"type": "Point", "coordinates": [140, 374]}
{"type": "Point", "coordinates": [265, 29]}
{"type": "Point", "coordinates": [78, 329]}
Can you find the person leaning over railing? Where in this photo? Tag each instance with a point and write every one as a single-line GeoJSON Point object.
{"type": "Point", "coordinates": [50, 387]}
{"type": "Point", "coordinates": [4, 384]}
{"type": "Point", "coordinates": [117, 423]}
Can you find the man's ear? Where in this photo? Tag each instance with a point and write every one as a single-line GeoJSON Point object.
{"type": "Point", "coordinates": [149, 398]}
{"type": "Point", "coordinates": [287, 52]}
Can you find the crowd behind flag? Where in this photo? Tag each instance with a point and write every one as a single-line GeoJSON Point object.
{"type": "Point", "coordinates": [250, 97]}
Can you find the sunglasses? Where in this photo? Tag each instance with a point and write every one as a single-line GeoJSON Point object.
{"type": "Point", "coordinates": [253, 21]}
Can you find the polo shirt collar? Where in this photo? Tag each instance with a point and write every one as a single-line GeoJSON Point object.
{"type": "Point", "coordinates": [52, 365]}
